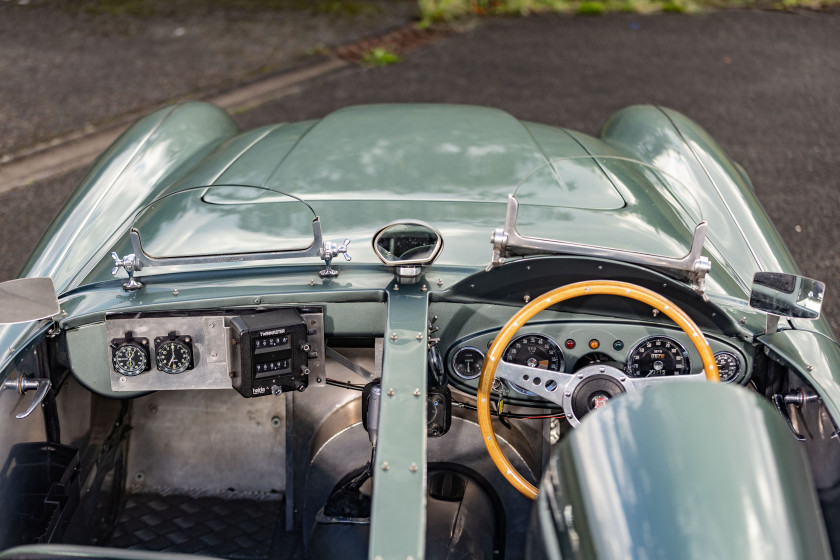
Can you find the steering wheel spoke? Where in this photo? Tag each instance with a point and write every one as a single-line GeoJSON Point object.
{"type": "Point", "coordinates": [588, 389]}
{"type": "Point", "coordinates": [542, 382]}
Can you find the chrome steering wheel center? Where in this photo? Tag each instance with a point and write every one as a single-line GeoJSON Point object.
{"type": "Point", "coordinates": [591, 388]}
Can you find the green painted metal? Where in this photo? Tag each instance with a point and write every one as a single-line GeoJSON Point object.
{"type": "Point", "coordinates": [683, 471]}
{"type": "Point", "coordinates": [737, 222]}
{"type": "Point", "coordinates": [398, 514]}
{"type": "Point", "coordinates": [815, 357]}
{"type": "Point", "coordinates": [151, 153]}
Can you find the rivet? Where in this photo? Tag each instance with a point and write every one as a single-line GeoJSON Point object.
{"type": "Point", "coordinates": [743, 320]}
{"type": "Point", "coordinates": [391, 392]}
{"type": "Point", "coordinates": [810, 367]}
{"type": "Point", "coordinates": [385, 466]}
{"type": "Point", "coordinates": [413, 467]}
{"type": "Point", "coordinates": [122, 379]}
{"type": "Point", "coordinates": [416, 392]}
{"type": "Point", "coordinates": [213, 354]}
{"type": "Point", "coordinates": [393, 336]}
{"type": "Point", "coordinates": [568, 393]}
{"type": "Point", "coordinates": [175, 292]}
{"type": "Point", "coordinates": [580, 376]}
{"type": "Point", "coordinates": [318, 380]}
{"type": "Point", "coordinates": [396, 287]}
{"type": "Point", "coordinates": [63, 313]}
{"type": "Point", "coordinates": [419, 336]}
{"type": "Point", "coordinates": [424, 287]}
{"type": "Point", "coordinates": [622, 379]}
{"type": "Point", "coordinates": [526, 298]}
{"type": "Point", "coordinates": [312, 282]}
{"type": "Point", "coordinates": [602, 370]}
{"type": "Point", "coordinates": [440, 282]}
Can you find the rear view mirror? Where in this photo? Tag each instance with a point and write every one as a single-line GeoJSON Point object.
{"type": "Point", "coordinates": [787, 295]}
{"type": "Point", "coordinates": [27, 299]}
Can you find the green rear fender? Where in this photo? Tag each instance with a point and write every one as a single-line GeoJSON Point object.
{"type": "Point", "coordinates": [150, 155]}
{"type": "Point", "coordinates": [737, 221]}
{"type": "Point", "coordinates": [679, 470]}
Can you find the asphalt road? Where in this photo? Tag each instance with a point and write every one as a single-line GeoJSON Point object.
{"type": "Point", "coordinates": [764, 84]}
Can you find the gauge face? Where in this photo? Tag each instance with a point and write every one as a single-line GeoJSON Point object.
{"type": "Point", "coordinates": [130, 359]}
{"type": "Point", "coordinates": [728, 366]}
{"type": "Point", "coordinates": [467, 362]}
{"type": "Point", "coordinates": [657, 357]}
{"type": "Point", "coordinates": [173, 356]}
{"type": "Point", "coordinates": [536, 351]}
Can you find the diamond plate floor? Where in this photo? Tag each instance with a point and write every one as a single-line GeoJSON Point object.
{"type": "Point", "coordinates": [224, 527]}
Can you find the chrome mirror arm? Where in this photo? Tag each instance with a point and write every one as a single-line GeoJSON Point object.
{"type": "Point", "coordinates": [508, 242]}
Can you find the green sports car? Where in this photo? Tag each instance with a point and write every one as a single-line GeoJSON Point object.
{"type": "Point", "coordinates": [416, 331]}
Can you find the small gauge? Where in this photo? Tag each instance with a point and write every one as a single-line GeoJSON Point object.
{"type": "Point", "coordinates": [173, 354]}
{"type": "Point", "coordinates": [536, 351]}
{"type": "Point", "coordinates": [658, 356]}
{"type": "Point", "coordinates": [467, 362]}
{"type": "Point", "coordinates": [130, 357]}
{"type": "Point", "coordinates": [728, 366]}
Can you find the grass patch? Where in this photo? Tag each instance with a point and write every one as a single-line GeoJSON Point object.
{"type": "Point", "coordinates": [591, 8]}
{"type": "Point", "coordinates": [448, 10]}
{"type": "Point", "coordinates": [380, 56]}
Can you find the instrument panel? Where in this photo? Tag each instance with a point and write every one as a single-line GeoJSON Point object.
{"type": "Point", "coordinates": [255, 351]}
{"type": "Point", "coordinates": [640, 350]}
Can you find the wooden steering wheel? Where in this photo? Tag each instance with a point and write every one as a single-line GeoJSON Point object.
{"type": "Point", "coordinates": [553, 386]}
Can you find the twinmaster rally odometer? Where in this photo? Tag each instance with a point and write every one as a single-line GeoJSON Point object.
{"type": "Point", "coordinates": [658, 356]}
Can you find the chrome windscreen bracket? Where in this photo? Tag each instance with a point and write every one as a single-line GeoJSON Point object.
{"type": "Point", "coordinates": [140, 259]}
{"type": "Point", "coordinates": [507, 242]}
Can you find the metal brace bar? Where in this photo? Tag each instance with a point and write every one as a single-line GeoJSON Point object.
{"type": "Point", "coordinates": [507, 242]}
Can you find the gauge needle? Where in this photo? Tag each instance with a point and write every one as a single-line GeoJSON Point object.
{"type": "Point", "coordinates": [172, 361]}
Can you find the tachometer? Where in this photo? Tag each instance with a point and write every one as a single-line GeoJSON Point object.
{"type": "Point", "coordinates": [536, 351]}
{"type": "Point", "coordinates": [658, 356]}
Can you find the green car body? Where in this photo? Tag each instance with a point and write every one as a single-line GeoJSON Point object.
{"type": "Point", "coordinates": [680, 470]}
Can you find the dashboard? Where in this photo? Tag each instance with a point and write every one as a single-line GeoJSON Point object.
{"type": "Point", "coordinates": [640, 350]}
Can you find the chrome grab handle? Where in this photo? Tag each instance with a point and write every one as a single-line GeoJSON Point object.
{"type": "Point", "coordinates": [23, 384]}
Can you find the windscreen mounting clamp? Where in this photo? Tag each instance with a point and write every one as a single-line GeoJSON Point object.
{"type": "Point", "coordinates": [330, 250]}
{"type": "Point", "coordinates": [508, 242]}
{"type": "Point", "coordinates": [130, 263]}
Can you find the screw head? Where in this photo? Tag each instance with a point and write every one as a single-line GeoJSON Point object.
{"type": "Point", "coordinates": [413, 467]}
{"type": "Point", "coordinates": [394, 336]}
{"type": "Point", "coordinates": [391, 392]}
{"type": "Point", "coordinates": [419, 336]}
{"type": "Point", "coordinates": [424, 287]}
{"type": "Point", "coordinates": [440, 282]}
{"type": "Point", "coordinates": [416, 392]}
{"type": "Point", "coordinates": [385, 466]}
{"type": "Point", "coordinates": [175, 292]}
{"type": "Point", "coordinates": [526, 298]}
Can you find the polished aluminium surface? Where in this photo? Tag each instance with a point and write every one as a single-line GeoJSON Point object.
{"type": "Point", "coordinates": [27, 299]}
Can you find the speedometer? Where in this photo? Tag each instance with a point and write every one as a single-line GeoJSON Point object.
{"type": "Point", "coordinates": [658, 356]}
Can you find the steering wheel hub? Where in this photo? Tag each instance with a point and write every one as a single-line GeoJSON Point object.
{"type": "Point", "coordinates": [591, 388]}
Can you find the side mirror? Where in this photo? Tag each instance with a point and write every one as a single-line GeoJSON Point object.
{"type": "Point", "coordinates": [787, 295]}
{"type": "Point", "coordinates": [27, 299]}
